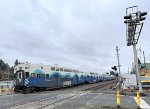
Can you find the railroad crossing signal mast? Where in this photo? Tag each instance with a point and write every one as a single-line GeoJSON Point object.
{"type": "Point", "coordinates": [134, 23]}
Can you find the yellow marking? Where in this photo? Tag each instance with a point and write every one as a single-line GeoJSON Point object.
{"type": "Point", "coordinates": [118, 97]}
{"type": "Point", "coordinates": [145, 81]}
{"type": "Point", "coordinates": [138, 98]}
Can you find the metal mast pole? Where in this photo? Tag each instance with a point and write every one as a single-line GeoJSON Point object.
{"type": "Point", "coordinates": [134, 24]}
{"type": "Point", "coordinates": [137, 68]}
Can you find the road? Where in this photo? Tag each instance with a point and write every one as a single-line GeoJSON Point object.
{"type": "Point", "coordinates": [67, 100]}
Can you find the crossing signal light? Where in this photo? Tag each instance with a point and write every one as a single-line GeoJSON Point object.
{"type": "Point", "coordinates": [140, 15]}
{"type": "Point", "coordinates": [128, 17]}
{"type": "Point", "coordinates": [114, 68]}
{"type": "Point", "coordinates": [125, 22]}
{"type": "Point", "coordinates": [143, 18]}
{"type": "Point", "coordinates": [143, 13]}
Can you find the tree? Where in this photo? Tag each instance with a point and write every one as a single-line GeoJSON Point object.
{"type": "Point", "coordinates": [16, 62]}
{"type": "Point", "coordinates": [5, 69]}
{"type": "Point", "coordinates": [3, 66]}
{"type": "Point", "coordinates": [112, 73]}
{"type": "Point", "coordinates": [107, 73]}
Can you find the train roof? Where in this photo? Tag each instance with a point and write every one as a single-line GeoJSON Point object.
{"type": "Point", "coordinates": [28, 65]}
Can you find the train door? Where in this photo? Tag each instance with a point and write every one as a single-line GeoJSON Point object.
{"type": "Point", "coordinates": [91, 78]}
{"type": "Point", "coordinates": [56, 81]}
{"type": "Point", "coordinates": [77, 79]}
{"type": "Point", "coordinates": [20, 78]}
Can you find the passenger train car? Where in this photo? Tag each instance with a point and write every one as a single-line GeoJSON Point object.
{"type": "Point", "coordinates": [29, 78]}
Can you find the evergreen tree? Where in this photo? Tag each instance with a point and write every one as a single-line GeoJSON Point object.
{"type": "Point", "coordinates": [107, 73]}
{"type": "Point", "coordinates": [16, 62]}
{"type": "Point", "coordinates": [5, 69]}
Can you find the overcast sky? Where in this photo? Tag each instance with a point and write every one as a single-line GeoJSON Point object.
{"type": "Point", "coordinates": [81, 34]}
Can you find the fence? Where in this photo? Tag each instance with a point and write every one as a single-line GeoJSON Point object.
{"type": "Point", "coordinates": [6, 87]}
{"type": "Point", "coordinates": [6, 91]}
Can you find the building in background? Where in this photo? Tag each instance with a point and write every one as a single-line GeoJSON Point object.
{"type": "Point", "coordinates": [145, 75]}
{"type": "Point", "coordinates": [145, 71]}
{"type": "Point", "coordinates": [129, 81]}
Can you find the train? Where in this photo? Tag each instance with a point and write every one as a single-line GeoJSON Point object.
{"type": "Point", "coordinates": [36, 77]}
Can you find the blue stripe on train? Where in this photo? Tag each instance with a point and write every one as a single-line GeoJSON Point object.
{"type": "Point", "coordinates": [57, 80]}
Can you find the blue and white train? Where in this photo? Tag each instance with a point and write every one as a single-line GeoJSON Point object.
{"type": "Point", "coordinates": [29, 78]}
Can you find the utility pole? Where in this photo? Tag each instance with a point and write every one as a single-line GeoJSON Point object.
{"type": "Point", "coordinates": [117, 50]}
{"type": "Point", "coordinates": [7, 77]}
{"type": "Point", "coordinates": [119, 84]}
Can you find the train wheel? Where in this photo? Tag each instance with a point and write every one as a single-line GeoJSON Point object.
{"type": "Point", "coordinates": [26, 90]}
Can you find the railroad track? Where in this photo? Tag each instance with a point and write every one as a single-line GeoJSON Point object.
{"type": "Point", "coordinates": [51, 102]}
{"type": "Point", "coordinates": [47, 103]}
{"type": "Point", "coordinates": [105, 85]}
{"type": "Point", "coordinates": [90, 87]}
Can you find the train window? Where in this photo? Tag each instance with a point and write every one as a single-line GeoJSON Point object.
{"type": "Point", "coordinates": [19, 75]}
{"type": "Point", "coordinates": [41, 67]}
{"type": "Point", "coordinates": [27, 74]}
{"type": "Point", "coordinates": [33, 75]}
{"type": "Point", "coordinates": [65, 70]}
{"type": "Point", "coordinates": [20, 68]}
{"type": "Point", "coordinates": [38, 75]}
{"type": "Point", "coordinates": [41, 75]}
{"type": "Point", "coordinates": [61, 69]}
{"type": "Point", "coordinates": [47, 75]}
{"type": "Point", "coordinates": [57, 69]}
{"type": "Point", "coordinates": [15, 76]}
{"type": "Point", "coordinates": [53, 68]}
{"type": "Point", "coordinates": [26, 67]}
